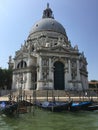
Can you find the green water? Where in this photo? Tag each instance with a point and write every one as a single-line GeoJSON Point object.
{"type": "Point", "coordinates": [45, 120]}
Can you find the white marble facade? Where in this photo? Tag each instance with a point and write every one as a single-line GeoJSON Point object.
{"type": "Point", "coordinates": [47, 59]}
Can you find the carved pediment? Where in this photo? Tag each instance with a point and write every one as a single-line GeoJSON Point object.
{"type": "Point", "coordinates": [21, 55]}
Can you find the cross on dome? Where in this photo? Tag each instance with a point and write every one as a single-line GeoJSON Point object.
{"type": "Point", "coordinates": [47, 5]}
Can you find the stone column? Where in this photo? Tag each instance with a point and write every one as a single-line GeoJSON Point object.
{"type": "Point", "coordinates": [50, 72]}
{"type": "Point", "coordinates": [39, 70]}
{"type": "Point", "coordinates": [51, 77]}
{"type": "Point", "coordinates": [29, 81]}
{"type": "Point", "coordinates": [78, 72]}
{"type": "Point", "coordinates": [79, 85]}
{"type": "Point", "coordinates": [14, 82]}
{"type": "Point", "coordinates": [69, 69]}
{"type": "Point", "coordinates": [68, 76]}
{"type": "Point", "coordinates": [39, 73]}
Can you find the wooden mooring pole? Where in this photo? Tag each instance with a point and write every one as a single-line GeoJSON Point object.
{"type": "Point", "coordinates": [30, 104]}
{"type": "Point", "coordinates": [47, 94]}
{"type": "Point", "coordinates": [34, 101]}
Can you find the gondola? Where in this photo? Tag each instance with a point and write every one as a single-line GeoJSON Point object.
{"type": "Point", "coordinates": [76, 106]}
{"type": "Point", "coordinates": [53, 106]}
{"type": "Point", "coordinates": [9, 108]}
{"type": "Point", "coordinates": [93, 107]}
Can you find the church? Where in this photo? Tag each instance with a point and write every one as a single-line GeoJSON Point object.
{"type": "Point", "coordinates": [47, 60]}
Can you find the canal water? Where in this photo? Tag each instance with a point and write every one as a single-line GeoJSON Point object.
{"type": "Point", "coordinates": [45, 120]}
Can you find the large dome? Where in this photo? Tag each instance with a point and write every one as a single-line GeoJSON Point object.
{"type": "Point", "coordinates": [48, 24]}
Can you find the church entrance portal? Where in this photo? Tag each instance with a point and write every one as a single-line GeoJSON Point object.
{"type": "Point", "coordinates": [58, 76]}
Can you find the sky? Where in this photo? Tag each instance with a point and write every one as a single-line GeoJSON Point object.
{"type": "Point", "coordinates": [78, 17]}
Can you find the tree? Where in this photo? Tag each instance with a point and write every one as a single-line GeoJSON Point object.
{"type": "Point", "coordinates": [5, 78]}
{"type": "Point", "coordinates": [1, 78]}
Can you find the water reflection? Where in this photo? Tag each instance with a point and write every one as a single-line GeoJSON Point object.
{"type": "Point", "coordinates": [45, 120]}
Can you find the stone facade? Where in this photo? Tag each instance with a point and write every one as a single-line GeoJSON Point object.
{"type": "Point", "coordinates": [47, 59]}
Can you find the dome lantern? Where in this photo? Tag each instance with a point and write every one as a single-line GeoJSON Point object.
{"type": "Point", "coordinates": [47, 13]}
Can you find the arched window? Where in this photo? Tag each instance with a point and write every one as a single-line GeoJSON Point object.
{"type": "Point", "coordinates": [22, 64]}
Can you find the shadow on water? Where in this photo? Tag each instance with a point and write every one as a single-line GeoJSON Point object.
{"type": "Point", "coordinates": [45, 120]}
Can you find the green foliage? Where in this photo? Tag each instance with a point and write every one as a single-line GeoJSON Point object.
{"type": "Point", "coordinates": [94, 80]}
{"type": "Point", "coordinates": [5, 78]}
